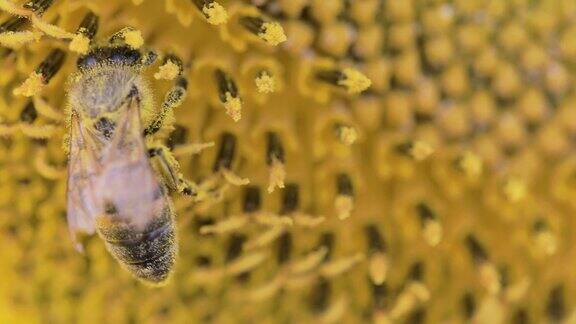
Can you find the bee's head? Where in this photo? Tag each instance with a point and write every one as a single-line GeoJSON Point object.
{"type": "Point", "coordinates": [115, 55]}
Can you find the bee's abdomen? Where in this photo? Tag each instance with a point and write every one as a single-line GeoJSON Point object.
{"type": "Point", "coordinates": [149, 255]}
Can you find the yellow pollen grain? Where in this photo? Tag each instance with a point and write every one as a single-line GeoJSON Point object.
{"type": "Point", "coordinates": [215, 13]}
{"type": "Point", "coordinates": [233, 107]}
{"type": "Point", "coordinates": [133, 38]}
{"type": "Point", "coordinates": [273, 33]}
{"type": "Point", "coordinates": [420, 150]}
{"type": "Point", "coordinates": [167, 71]}
{"type": "Point", "coordinates": [547, 242]}
{"type": "Point", "coordinates": [343, 204]}
{"type": "Point", "coordinates": [514, 189]}
{"type": "Point", "coordinates": [31, 86]}
{"type": "Point", "coordinates": [265, 83]}
{"type": "Point", "coordinates": [432, 232]}
{"type": "Point", "coordinates": [471, 164]}
{"type": "Point", "coordinates": [277, 175]}
{"type": "Point", "coordinates": [347, 135]}
{"type": "Point", "coordinates": [355, 82]}
{"type": "Point", "coordinates": [79, 44]}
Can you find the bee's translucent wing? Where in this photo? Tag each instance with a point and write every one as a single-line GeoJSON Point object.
{"type": "Point", "coordinates": [83, 167]}
{"type": "Point", "coordinates": [130, 190]}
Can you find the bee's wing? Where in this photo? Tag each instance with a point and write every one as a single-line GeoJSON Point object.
{"type": "Point", "coordinates": [128, 184]}
{"type": "Point", "coordinates": [83, 167]}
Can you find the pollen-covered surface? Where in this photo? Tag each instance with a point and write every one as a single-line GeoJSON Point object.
{"type": "Point", "coordinates": [422, 167]}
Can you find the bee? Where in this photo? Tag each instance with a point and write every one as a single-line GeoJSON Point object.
{"type": "Point", "coordinates": [119, 178]}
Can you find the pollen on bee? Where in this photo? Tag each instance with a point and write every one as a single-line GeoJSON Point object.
{"type": "Point", "coordinates": [133, 37]}
{"type": "Point", "coordinates": [470, 164]}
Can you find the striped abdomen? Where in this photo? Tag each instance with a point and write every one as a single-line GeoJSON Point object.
{"type": "Point", "coordinates": [149, 254]}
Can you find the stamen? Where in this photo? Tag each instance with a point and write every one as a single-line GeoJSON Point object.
{"type": "Point", "coordinates": [432, 230]}
{"type": "Point", "coordinates": [269, 31]}
{"type": "Point", "coordinates": [265, 82]}
{"type": "Point", "coordinates": [85, 33]}
{"type": "Point", "coordinates": [344, 202]}
{"type": "Point", "coordinates": [350, 79]}
{"type": "Point", "coordinates": [228, 93]}
{"type": "Point", "coordinates": [214, 12]}
{"type": "Point", "coordinates": [275, 160]}
{"type": "Point", "coordinates": [42, 75]}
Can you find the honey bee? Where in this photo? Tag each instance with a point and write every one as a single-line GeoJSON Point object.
{"type": "Point", "coordinates": [118, 179]}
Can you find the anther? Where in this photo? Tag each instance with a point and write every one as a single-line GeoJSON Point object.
{"type": "Point", "coordinates": [269, 31]}
{"type": "Point", "coordinates": [417, 150]}
{"type": "Point", "coordinates": [29, 113]}
{"type": "Point", "coordinates": [85, 33]}
{"type": "Point", "coordinates": [545, 239]}
{"type": "Point", "coordinates": [252, 199]}
{"type": "Point", "coordinates": [350, 79]}
{"type": "Point", "coordinates": [214, 12]}
{"type": "Point", "coordinates": [344, 202]}
{"type": "Point", "coordinates": [377, 259]}
{"type": "Point", "coordinates": [38, 6]}
{"type": "Point", "coordinates": [275, 161]}
{"type": "Point", "coordinates": [290, 199]}
{"type": "Point", "coordinates": [431, 228]}
{"type": "Point", "coordinates": [284, 248]}
{"type": "Point", "coordinates": [477, 251]}
{"type": "Point", "coordinates": [468, 305]}
{"type": "Point", "coordinates": [42, 75]}
{"type": "Point", "coordinates": [320, 295]}
{"type": "Point", "coordinates": [555, 307]}
{"type": "Point", "coordinates": [326, 241]}
{"type": "Point", "coordinates": [228, 94]}
{"type": "Point", "coordinates": [226, 152]}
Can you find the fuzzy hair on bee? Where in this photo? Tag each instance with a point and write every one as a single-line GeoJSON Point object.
{"type": "Point", "coordinates": [119, 177]}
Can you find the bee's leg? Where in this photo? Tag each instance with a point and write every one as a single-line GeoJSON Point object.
{"type": "Point", "coordinates": [173, 99]}
{"type": "Point", "coordinates": [167, 166]}
{"type": "Point", "coordinates": [42, 74]}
